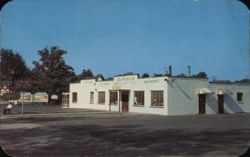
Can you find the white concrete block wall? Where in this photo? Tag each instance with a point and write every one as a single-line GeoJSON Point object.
{"type": "Point", "coordinates": [182, 95]}
{"type": "Point", "coordinates": [211, 103]}
{"type": "Point", "coordinates": [147, 85]}
{"type": "Point", "coordinates": [231, 105]}
{"type": "Point", "coordinates": [74, 87]}
{"type": "Point", "coordinates": [104, 86]}
{"type": "Point", "coordinates": [84, 88]}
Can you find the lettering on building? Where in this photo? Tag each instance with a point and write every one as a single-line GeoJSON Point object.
{"type": "Point", "coordinates": [151, 81]}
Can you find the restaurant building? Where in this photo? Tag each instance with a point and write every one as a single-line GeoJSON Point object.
{"type": "Point", "coordinates": [159, 95]}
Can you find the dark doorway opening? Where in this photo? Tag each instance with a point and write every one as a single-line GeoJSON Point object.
{"type": "Point", "coordinates": [221, 104]}
{"type": "Point", "coordinates": [202, 103]}
{"type": "Point", "coordinates": [125, 100]}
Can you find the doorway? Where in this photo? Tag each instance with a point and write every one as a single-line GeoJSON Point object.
{"type": "Point", "coordinates": [202, 103]}
{"type": "Point", "coordinates": [125, 100]}
{"type": "Point", "coordinates": [221, 104]}
{"type": "Point", "coordinates": [65, 100]}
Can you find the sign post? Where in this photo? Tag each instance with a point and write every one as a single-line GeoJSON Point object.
{"type": "Point", "coordinates": [22, 102]}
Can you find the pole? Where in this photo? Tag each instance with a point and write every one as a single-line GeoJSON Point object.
{"type": "Point", "coordinates": [119, 104]}
{"type": "Point", "coordinates": [248, 45]}
{"type": "Point", "coordinates": [189, 70]}
{"type": "Point", "coordinates": [109, 102]}
{"type": "Point", "coordinates": [0, 52]}
{"type": "Point", "coordinates": [22, 102]}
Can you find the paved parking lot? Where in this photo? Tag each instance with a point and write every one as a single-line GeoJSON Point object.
{"type": "Point", "coordinates": [99, 133]}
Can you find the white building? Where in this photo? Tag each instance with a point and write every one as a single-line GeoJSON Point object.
{"type": "Point", "coordinates": [159, 95]}
{"type": "Point", "coordinates": [228, 97]}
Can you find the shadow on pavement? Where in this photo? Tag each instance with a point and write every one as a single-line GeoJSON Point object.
{"type": "Point", "coordinates": [246, 154]}
{"type": "Point", "coordinates": [122, 140]}
{"type": "Point", "coordinates": [3, 154]}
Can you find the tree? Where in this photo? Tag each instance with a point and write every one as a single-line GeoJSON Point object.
{"type": "Point", "coordinates": [86, 74]}
{"type": "Point", "coordinates": [99, 77]}
{"type": "Point", "coordinates": [12, 66]}
{"type": "Point", "coordinates": [128, 73]}
{"type": "Point", "coordinates": [51, 74]}
{"type": "Point", "coordinates": [243, 81]}
{"type": "Point", "coordinates": [158, 75]}
{"type": "Point", "coordinates": [145, 75]}
{"type": "Point", "coordinates": [181, 75]}
{"type": "Point", "coordinates": [201, 75]}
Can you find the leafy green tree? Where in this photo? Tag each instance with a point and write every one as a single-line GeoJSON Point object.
{"type": "Point", "coordinates": [51, 74]}
{"type": "Point", "coordinates": [12, 66]}
{"type": "Point", "coordinates": [86, 74]}
{"type": "Point", "coordinates": [243, 81]}
{"type": "Point", "coordinates": [201, 75]}
{"type": "Point", "coordinates": [181, 75]}
{"type": "Point", "coordinates": [145, 75]}
{"type": "Point", "coordinates": [158, 75]}
{"type": "Point", "coordinates": [99, 76]}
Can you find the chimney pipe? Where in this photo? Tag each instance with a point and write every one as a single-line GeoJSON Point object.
{"type": "Point", "coordinates": [170, 70]}
{"type": "Point", "coordinates": [189, 70]}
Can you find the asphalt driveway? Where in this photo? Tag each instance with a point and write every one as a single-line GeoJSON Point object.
{"type": "Point", "coordinates": [99, 133]}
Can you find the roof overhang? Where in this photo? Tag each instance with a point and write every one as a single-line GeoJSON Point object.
{"type": "Point", "coordinates": [203, 91]}
{"type": "Point", "coordinates": [223, 91]}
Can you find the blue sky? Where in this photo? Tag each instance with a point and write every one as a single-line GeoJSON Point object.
{"type": "Point", "coordinates": [117, 36]}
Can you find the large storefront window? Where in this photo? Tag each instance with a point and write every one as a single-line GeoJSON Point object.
{"type": "Point", "coordinates": [101, 97]}
{"type": "Point", "coordinates": [157, 98]}
{"type": "Point", "coordinates": [113, 97]}
{"type": "Point", "coordinates": [139, 98]}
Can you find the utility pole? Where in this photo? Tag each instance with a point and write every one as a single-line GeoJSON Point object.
{"type": "Point", "coordinates": [1, 75]}
{"type": "Point", "coordinates": [0, 49]}
{"type": "Point", "coordinates": [22, 102]}
{"type": "Point", "coordinates": [248, 44]}
{"type": "Point", "coordinates": [189, 70]}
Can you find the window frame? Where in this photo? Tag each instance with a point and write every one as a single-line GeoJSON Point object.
{"type": "Point", "coordinates": [141, 99]}
{"type": "Point", "coordinates": [91, 98]}
{"type": "Point", "coordinates": [74, 97]}
{"type": "Point", "coordinates": [160, 97]}
{"type": "Point", "coordinates": [99, 98]}
{"type": "Point", "coordinates": [113, 97]}
{"type": "Point", "coordinates": [239, 97]}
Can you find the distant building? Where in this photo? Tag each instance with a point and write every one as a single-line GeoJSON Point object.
{"type": "Point", "coordinates": [159, 95]}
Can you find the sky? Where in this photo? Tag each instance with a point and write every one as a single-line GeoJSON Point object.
{"type": "Point", "coordinates": [112, 37]}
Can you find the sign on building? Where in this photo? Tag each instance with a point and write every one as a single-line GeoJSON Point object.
{"type": "Point", "coordinates": [25, 97]}
{"type": "Point", "coordinates": [54, 97]}
{"type": "Point", "coordinates": [41, 97]}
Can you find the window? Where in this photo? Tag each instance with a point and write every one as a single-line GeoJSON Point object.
{"type": "Point", "coordinates": [91, 98]}
{"type": "Point", "coordinates": [113, 97]}
{"type": "Point", "coordinates": [101, 97]}
{"type": "Point", "coordinates": [239, 97]}
{"type": "Point", "coordinates": [157, 98]}
{"type": "Point", "coordinates": [74, 97]}
{"type": "Point", "coordinates": [139, 98]}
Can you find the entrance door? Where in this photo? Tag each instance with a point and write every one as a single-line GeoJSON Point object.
{"type": "Point", "coordinates": [221, 103]}
{"type": "Point", "coordinates": [65, 100]}
{"type": "Point", "coordinates": [125, 100]}
{"type": "Point", "coordinates": [202, 103]}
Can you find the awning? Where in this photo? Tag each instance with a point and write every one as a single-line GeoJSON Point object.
{"type": "Point", "coordinates": [223, 91]}
{"type": "Point", "coordinates": [203, 91]}
{"type": "Point", "coordinates": [10, 96]}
